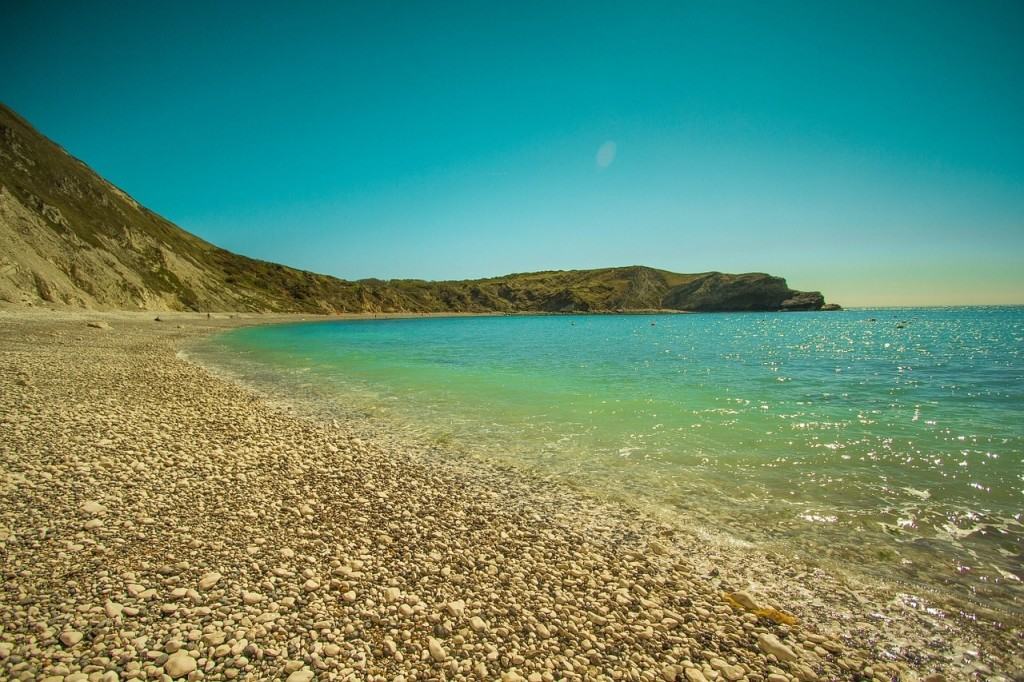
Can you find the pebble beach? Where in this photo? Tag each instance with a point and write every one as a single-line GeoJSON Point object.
{"type": "Point", "coordinates": [160, 521]}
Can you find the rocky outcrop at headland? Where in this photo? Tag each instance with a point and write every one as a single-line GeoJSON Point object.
{"type": "Point", "coordinates": [754, 291]}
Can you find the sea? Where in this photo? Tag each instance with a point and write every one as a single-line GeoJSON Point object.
{"type": "Point", "coordinates": [884, 442]}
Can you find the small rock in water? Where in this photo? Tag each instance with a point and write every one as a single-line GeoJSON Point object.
{"type": "Point", "coordinates": [657, 549]}
{"type": "Point", "coordinates": [745, 600]}
{"type": "Point", "coordinates": [770, 644]}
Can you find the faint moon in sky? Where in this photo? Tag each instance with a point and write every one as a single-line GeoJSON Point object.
{"type": "Point", "coordinates": [606, 154]}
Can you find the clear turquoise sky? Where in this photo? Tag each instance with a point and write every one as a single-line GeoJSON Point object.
{"type": "Point", "coordinates": [873, 150]}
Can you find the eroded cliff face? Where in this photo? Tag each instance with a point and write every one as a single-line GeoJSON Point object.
{"type": "Point", "coordinates": [69, 237]}
{"type": "Point", "coordinates": [751, 291]}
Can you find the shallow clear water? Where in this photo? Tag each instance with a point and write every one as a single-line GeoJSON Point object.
{"type": "Point", "coordinates": [890, 441]}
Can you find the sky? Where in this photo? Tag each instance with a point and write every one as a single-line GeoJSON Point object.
{"type": "Point", "coordinates": [870, 150]}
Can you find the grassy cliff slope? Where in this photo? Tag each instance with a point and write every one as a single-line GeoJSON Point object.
{"type": "Point", "coordinates": [67, 236]}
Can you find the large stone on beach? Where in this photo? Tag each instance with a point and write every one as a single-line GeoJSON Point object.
{"type": "Point", "coordinates": [112, 609]}
{"type": "Point", "coordinates": [456, 608]}
{"type": "Point", "coordinates": [179, 665]}
{"type": "Point", "coordinates": [437, 651]}
{"type": "Point", "coordinates": [214, 638]}
{"type": "Point", "coordinates": [251, 598]}
{"type": "Point", "coordinates": [70, 637]}
{"type": "Point", "coordinates": [729, 672]}
{"type": "Point", "coordinates": [770, 644]}
{"type": "Point", "coordinates": [209, 580]}
{"type": "Point", "coordinates": [745, 600]}
{"type": "Point", "coordinates": [93, 507]}
{"type": "Point", "coordinates": [656, 548]}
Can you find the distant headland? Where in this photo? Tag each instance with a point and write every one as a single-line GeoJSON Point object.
{"type": "Point", "coordinates": [71, 238]}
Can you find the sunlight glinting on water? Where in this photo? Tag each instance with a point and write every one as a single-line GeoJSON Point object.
{"type": "Point", "coordinates": [888, 439]}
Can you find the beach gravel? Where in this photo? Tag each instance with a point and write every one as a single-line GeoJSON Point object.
{"type": "Point", "coordinates": [160, 522]}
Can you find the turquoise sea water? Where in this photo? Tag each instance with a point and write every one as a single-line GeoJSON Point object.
{"type": "Point", "coordinates": [891, 441]}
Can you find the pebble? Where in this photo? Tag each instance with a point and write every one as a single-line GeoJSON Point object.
{"type": "Point", "coordinates": [70, 638]}
{"type": "Point", "coordinates": [251, 598]}
{"type": "Point", "coordinates": [745, 600]}
{"type": "Point", "coordinates": [770, 644]}
{"type": "Point", "coordinates": [179, 665]}
{"type": "Point", "coordinates": [209, 580]}
{"type": "Point", "coordinates": [384, 559]}
{"type": "Point", "coordinates": [93, 507]}
{"type": "Point", "coordinates": [695, 675]}
{"type": "Point", "coordinates": [457, 608]}
{"type": "Point", "coordinates": [437, 652]}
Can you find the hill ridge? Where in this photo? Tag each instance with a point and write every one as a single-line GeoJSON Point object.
{"type": "Point", "coordinates": [70, 237]}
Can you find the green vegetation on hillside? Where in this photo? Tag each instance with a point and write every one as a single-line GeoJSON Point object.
{"type": "Point", "coordinates": [68, 236]}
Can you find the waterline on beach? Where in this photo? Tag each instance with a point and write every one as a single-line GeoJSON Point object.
{"type": "Point", "coordinates": [884, 439]}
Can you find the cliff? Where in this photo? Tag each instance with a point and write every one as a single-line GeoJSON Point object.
{"type": "Point", "coordinates": [69, 237]}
